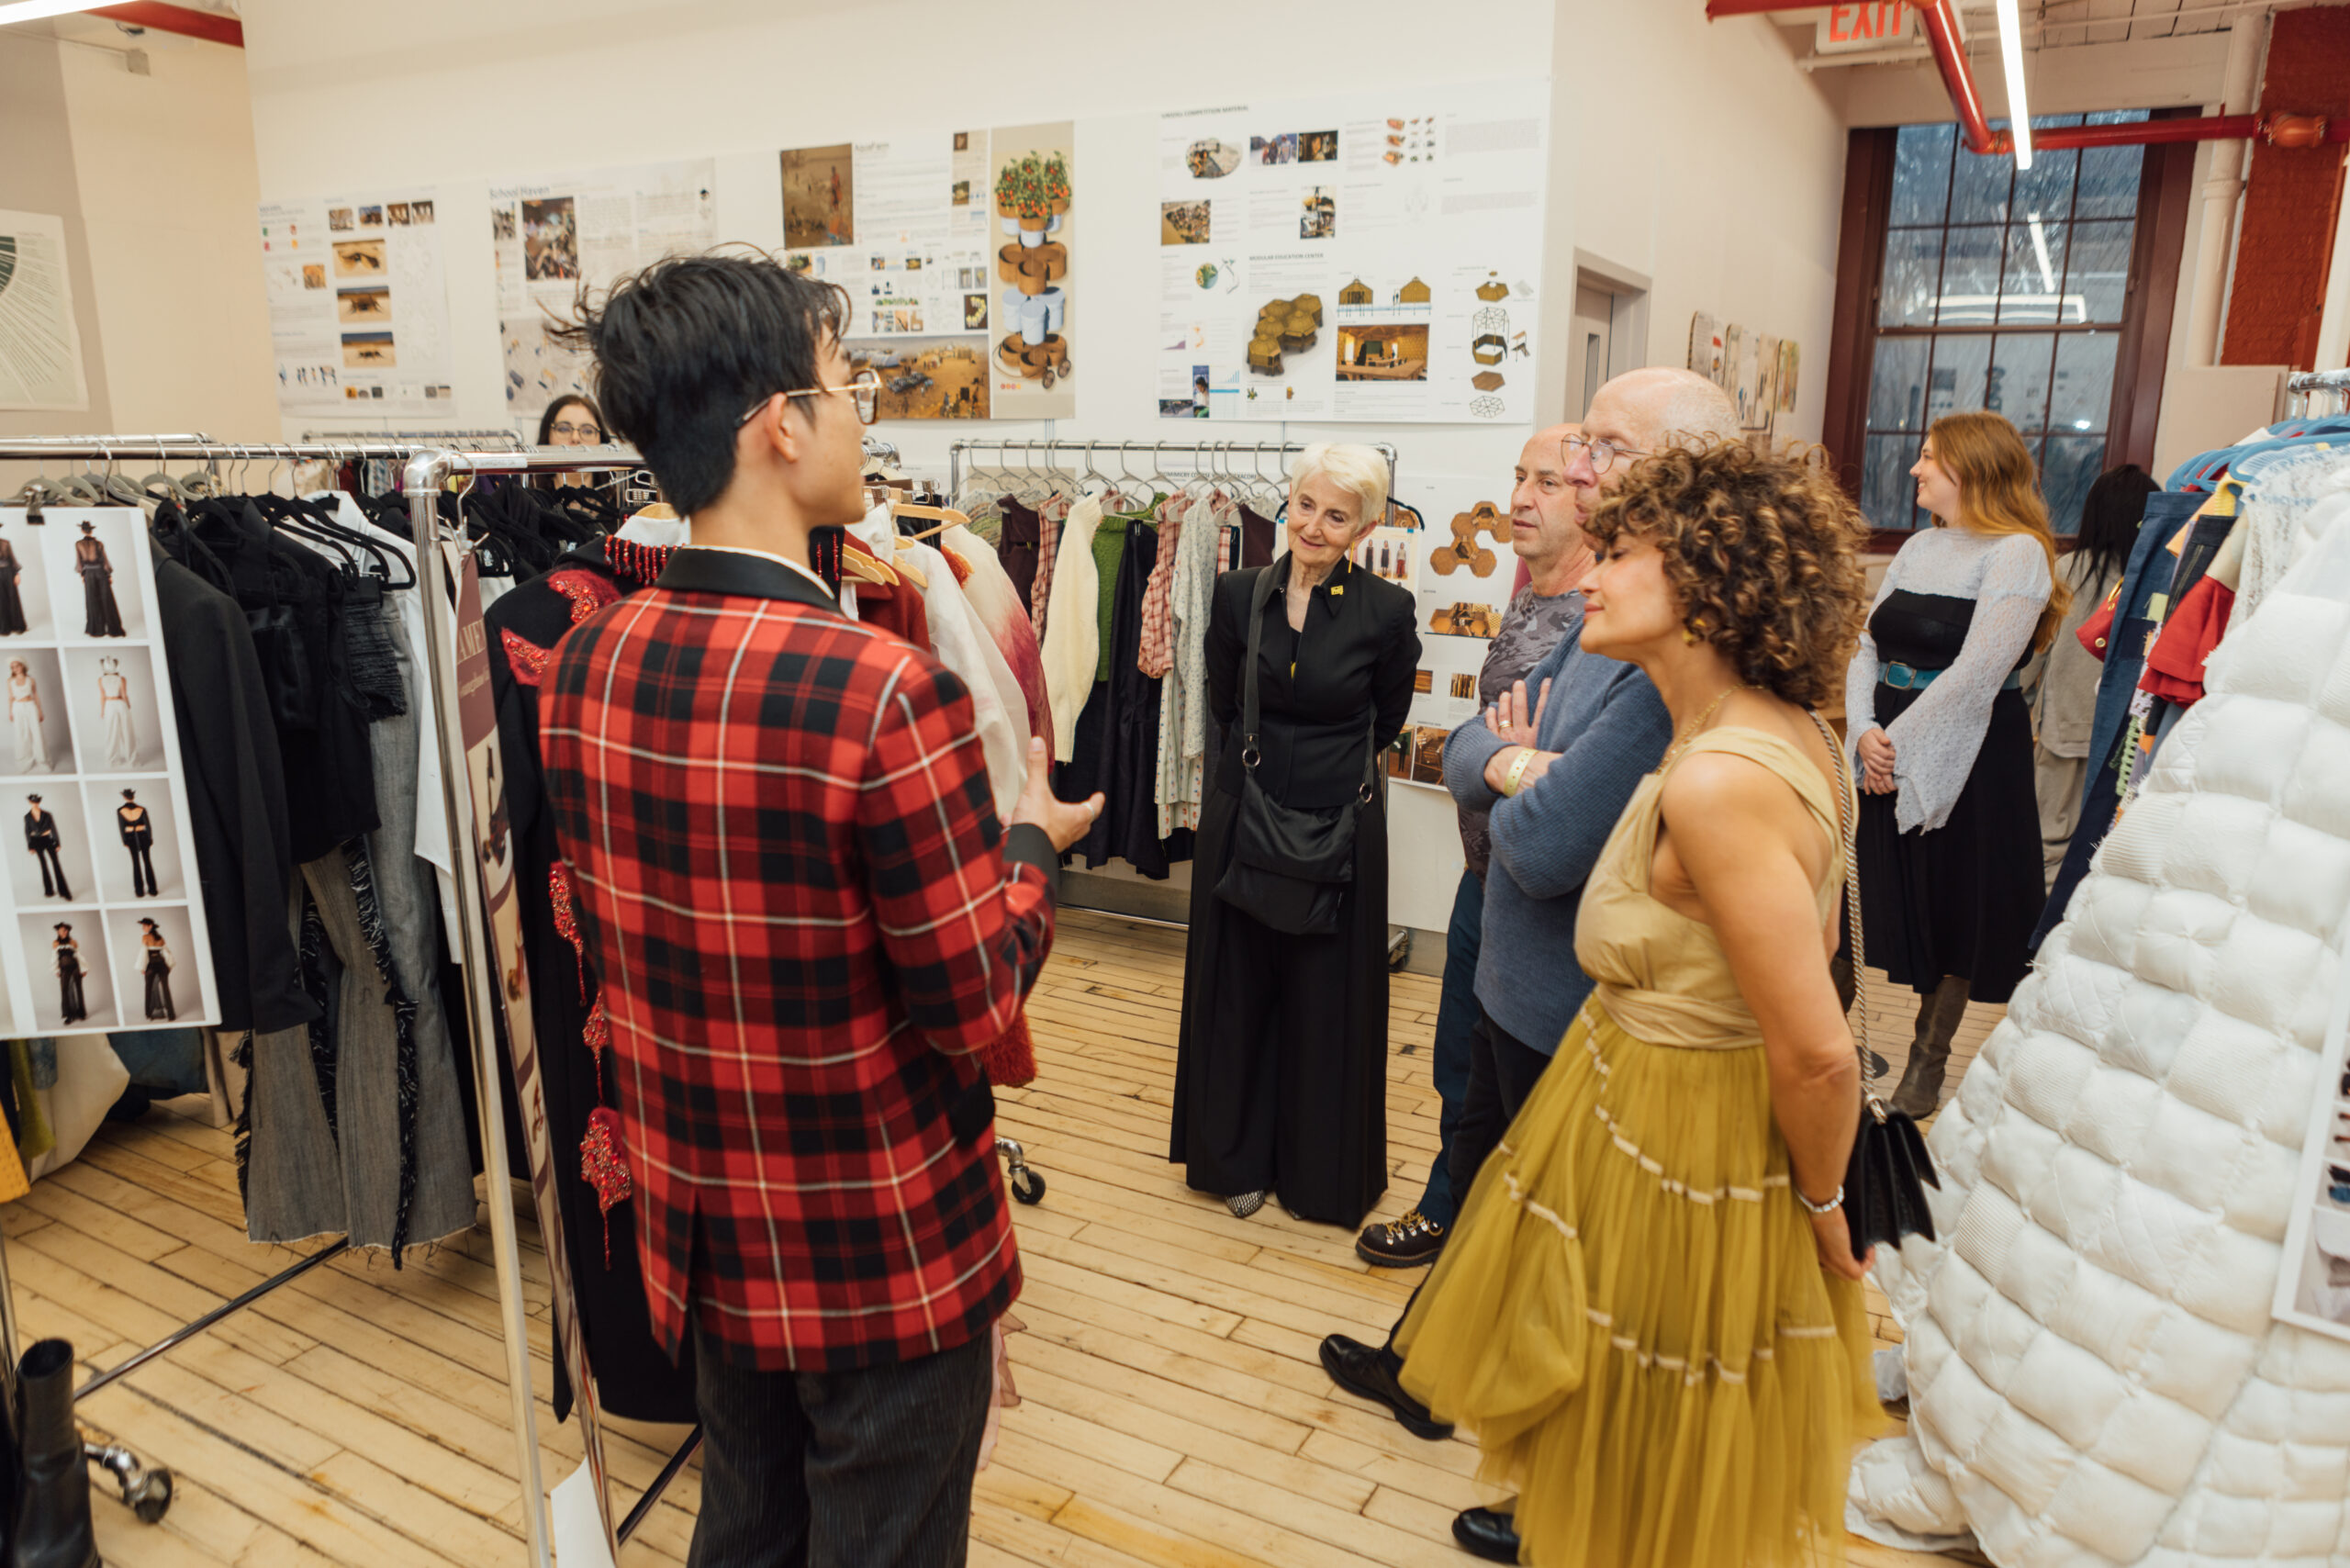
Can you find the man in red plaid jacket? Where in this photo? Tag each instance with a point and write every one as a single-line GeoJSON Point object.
{"type": "Point", "coordinates": [789, 872]}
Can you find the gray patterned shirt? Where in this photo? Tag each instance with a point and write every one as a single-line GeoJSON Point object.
{"type": "Point", "coordinates": [1530, 628]}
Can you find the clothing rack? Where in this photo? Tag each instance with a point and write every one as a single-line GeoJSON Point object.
{"type": "Point", "coordinates": [2293, 400]}
{"type": "Point", "coordinates": [434, 438]}
{"type": "Point", "coordinates": [1224, 451]}
{"type": "Point", "coordinates": [428, 470]}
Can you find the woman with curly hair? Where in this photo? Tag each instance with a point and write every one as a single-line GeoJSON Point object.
{"type": "Point", "coordinates": [1650, 1311]}
{"type": "Point", "coordinates": [1952, 882]}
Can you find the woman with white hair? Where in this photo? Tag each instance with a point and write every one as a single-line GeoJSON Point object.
{"type": "Point", "coordinates": [1280, 1078]}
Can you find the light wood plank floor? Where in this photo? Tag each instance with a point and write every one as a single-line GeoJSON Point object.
{"type": "Point", "coordinates": [1174, 1412]}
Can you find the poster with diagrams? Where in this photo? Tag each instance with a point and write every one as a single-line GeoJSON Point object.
{"type": "Point", "coordinates": [553, 235]}
{"type": "Point", "coordinates": [902, 225]}
{"type": "Point", "coordinates": [359, 303]}
{"type": "Point", "coordinates": [1460, 568]}
{"type": "Point", "coordinates": [41, 343]}
{"type": "Point", "coordinates": [1364, 256]}
{"type": "Point", "coordinates": [101, 924]}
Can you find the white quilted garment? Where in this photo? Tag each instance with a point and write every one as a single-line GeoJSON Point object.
{"type": "Point", "coordinates": [2094, 1374]}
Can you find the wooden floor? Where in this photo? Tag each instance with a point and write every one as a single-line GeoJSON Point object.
{"type": "Point", "coordinates": [1173, 1413]}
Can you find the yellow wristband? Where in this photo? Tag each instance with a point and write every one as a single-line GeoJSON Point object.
{"type": "Point", "coordinates": [1514, 779]}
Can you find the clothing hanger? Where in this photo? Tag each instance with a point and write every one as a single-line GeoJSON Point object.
{"type": "Point", "coordinates": [861, 565]}
{"type": "Point", "coordinates": [950, 516]}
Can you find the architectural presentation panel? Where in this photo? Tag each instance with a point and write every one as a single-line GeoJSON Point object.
{"type": "Point", "coordinates": [359, 302]}
{"type": "Point", "coordinates": [1366, 256]}
{"type": "Point", "coordinates": [553, 234]}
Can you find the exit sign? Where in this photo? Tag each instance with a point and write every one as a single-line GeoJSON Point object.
{"type": "Point", "coordinates": [1849, 30]}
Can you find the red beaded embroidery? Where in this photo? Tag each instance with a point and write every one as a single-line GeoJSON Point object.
{"type": "Point", "coordinates": [566, 924]}
{"type": "Point", "coordinates": [530, 660]}
{"type": "Point", "coordinates": [588, 591]}
{"type": "Point", "coordinates": [603, 1167]}
{"type": "Point", "coordinates": [638, 564]}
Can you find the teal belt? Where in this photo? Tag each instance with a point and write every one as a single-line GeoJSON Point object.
{"type": "Point", "coordinates": [1910, 678]}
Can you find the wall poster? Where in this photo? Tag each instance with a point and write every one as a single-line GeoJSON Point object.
{"type": "Point", "coordinates": [1365, 256]}
{"type": "Point", "coordinates": [1033, 250]}
{"type": "Point", "coordinates": [359, 302]}
{"type": "Point", "coordinates": [100, 926]}
{"type": "Point", "coordinates": [41, 343]}
{"type": "Point", "coordinates": [902, 227]}
{"type": "Point", "coordinates": [591, 228]}
{"type": "Point", "coordinates": [1757, 370]}
{"type": "Point", "coordinates": [1461, 565]}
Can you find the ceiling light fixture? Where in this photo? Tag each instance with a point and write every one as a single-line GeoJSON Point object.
{"type": "Point", "coordinates": [34, 10]}
{"type": "Point", "coordinates": [2011, 54]}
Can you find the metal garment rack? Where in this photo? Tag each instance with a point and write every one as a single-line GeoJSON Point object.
{"type": "Point", "coordinates": [1158, 450]}
{"type": "Point", "coordinates": [2300, 385]}
{"type": "Point", "coordinates": [428, 470]}
{"type": "Point", "coordinates": [1223, 451]}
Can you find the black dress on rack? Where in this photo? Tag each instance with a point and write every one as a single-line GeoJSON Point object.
{"type": "Point", "coordinates": [1116, 745]}
{"type": "Point", "coordinates": [635, 1378]}
{"type": "Point", "coordinates": [1280, 1069]}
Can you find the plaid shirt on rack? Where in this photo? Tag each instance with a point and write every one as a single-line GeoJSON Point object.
{"type": "Point", "coordinates": [1157, 655]}
{"type": "Point", "coordinates": [1051, 512]}
{"type": "Point", "coordinates": [792, 882]}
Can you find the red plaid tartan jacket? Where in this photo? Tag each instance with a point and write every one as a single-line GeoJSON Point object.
{"type": "Point", "coordinates": [790, 874]}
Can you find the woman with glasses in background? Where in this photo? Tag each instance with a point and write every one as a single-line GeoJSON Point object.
{"type": "Point", "coordinates": [571, 420]}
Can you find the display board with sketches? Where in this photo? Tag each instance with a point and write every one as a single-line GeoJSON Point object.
{"type": "Point", "coordinates": [1757, 370]}
{"type": "Point", "coordinates": [41, 343]}
{"type": "Point", "coordinates": [954, 248]}
{"type": "Point", "coordinates": [552, 235]}
{"type": "Point", "coordinates": [1362, 256]}
{"type": "Point", "coordinates": [102, 929]}
{"type": "Point", "coordinates": [358, 292]}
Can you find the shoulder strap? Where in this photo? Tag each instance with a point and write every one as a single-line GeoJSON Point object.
{"type": "Point", "coordinates": [1845, 817]}
{"type": "Point", "coordinates": [1259, 594]}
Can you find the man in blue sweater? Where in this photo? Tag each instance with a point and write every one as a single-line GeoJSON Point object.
{"type": "Point", "coordinates": [1554, 762]}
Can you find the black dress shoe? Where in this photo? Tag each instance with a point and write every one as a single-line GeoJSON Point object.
{"type": "Point", "coordinates": [1487, 1534]}
{"type": "Point", "coordinates": [1363, 1371]}
{"type": "Point", "coordinates": [1404, 1243]}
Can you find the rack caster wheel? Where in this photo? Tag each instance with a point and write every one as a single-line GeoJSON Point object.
{"type": "Point", "coordinates": [146, 1492]}
{"type": "Point", "coordinates": [1028, 1186]}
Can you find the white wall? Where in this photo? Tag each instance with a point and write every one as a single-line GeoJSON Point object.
{"type": "Point", "coordinates": [1696, 153]}
{"type": "Point", "coordinates": [37, 176]}
{"type": "Point", "coordinates": [164, 165]}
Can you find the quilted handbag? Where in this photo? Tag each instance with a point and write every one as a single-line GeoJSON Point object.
{"type": "Point", "coordinates": [1886, 1181]}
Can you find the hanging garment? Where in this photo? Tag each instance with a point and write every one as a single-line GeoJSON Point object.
{"type": "Point", "coordinates": [1182, 780]}
{"type": "Point", "coordinates": [1157, 655]}
{"type": "Point", "coordinates": [12, 602]}
{"type": "Point", "coordinates": [369, 1144]}
{"type": "Point", "coordinates": [114, 702]}
{"type": "Point", "coordinates": [101, 616]}
{"type": "Point", "coordinates": [236, 797]}
{"type": "Point", "coordinates": [2094, 1371]}
{"type": "Point", "coordinates": [1018, 547]}
{"type": "Point", "coordinates": [1071, 646]}
{"type": "Point", "coordinates": [997, 603]}
{"type": "Point", "coordinates": [965, 648]}
{"type": "Point", "coordinates": [1052, 513]}
{"type": "Point", "coordinates": [1120, 726]}
{"type": "Point", "coordinates": [635, 1378]}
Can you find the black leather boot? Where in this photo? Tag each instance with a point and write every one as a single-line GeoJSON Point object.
{"type": "Point", "coordinates": [53, 1528]}
{"type": "Point", "coordinates": [1939, 1012]}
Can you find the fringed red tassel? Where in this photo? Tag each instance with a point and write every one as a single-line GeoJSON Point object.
{"type": "Point", "coordinates": [1010, 1060]}
{"type": "Point", "coordinates": [603, 1167]}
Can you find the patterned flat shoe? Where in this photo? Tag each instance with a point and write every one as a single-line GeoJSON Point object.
{"type": "Point", "coordinates": [1243, 1204]}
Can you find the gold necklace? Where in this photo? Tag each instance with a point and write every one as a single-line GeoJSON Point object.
{"type": "Point", "coordinates": [1698, 727]}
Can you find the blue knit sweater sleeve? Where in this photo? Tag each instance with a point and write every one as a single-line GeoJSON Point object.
{"type": "Point", "coordinates": [1610, 727]}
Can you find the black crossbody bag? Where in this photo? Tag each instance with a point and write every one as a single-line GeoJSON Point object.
{"type": "Point", "coordinates": [1291, 865]}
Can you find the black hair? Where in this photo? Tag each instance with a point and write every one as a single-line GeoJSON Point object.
{"type": "Point", "coordinates": [570, 400]}
{"type": "Point", "coordinates": [688, 345]}
{"type": "Point", "coordinates": [2110, 520]}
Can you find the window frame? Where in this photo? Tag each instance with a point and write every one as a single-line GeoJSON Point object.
{"type": "Point", "coordinates": [2165, 189]}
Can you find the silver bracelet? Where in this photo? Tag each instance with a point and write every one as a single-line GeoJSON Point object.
{"type": "Point", "coordinates": [1830, 1207]}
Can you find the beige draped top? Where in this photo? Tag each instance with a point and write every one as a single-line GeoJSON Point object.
{"type": "Point", "coordinates": [1660, 974]}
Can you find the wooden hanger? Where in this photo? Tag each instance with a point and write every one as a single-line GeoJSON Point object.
{"type": "Point", "coordinates": [948, 515]}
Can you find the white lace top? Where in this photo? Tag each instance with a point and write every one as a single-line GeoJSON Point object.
{"type": "Point", "coordinates": [1935, 739]}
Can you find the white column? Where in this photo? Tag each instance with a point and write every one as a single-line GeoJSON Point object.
{"type": "Point", "coordinates": [2221, 192]}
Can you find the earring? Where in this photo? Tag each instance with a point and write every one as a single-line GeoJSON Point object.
{"type": "Point", "coordinates": [1689, 635]}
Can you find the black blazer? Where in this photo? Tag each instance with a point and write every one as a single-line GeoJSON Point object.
{"type": "Point", "coordinates": [1317, 688]}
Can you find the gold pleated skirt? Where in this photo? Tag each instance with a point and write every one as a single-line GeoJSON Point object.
{"type": "Point", "coordinates": [1632, 1316]}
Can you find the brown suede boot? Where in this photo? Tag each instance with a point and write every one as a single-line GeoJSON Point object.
{"type": "Point", "coordinates": [1939, 1012]}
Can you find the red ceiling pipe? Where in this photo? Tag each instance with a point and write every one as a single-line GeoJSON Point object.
{"type": "Point", "coordinates": [209, 26]}
{"type": "Point", "coordinates": [1940, 21]}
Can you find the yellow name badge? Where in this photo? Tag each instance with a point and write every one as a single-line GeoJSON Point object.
{"type": "Point", "coordinates": [1336, 591]}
